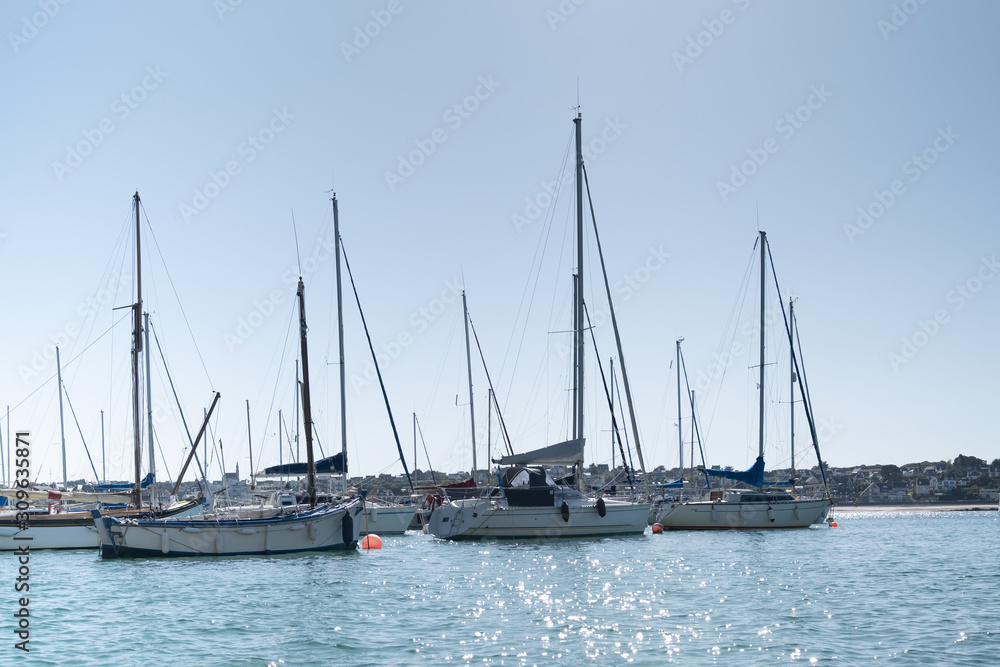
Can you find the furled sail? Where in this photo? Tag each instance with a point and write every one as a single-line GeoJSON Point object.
{"type": "Point", "coordinates": [754, 476]}
{"type": "Point", "coordinates": [568, 452]}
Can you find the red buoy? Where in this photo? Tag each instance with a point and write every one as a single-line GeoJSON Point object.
{"type": "Point", "coordinates": [833, 524]}
{"type": "Point", "coordinates": [371, 541]}
{"type": "Point", "coordinates": [657, 528]}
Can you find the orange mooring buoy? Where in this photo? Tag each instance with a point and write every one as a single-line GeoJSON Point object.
{"type": "Point", "coordinates": [833, 524]}
{"type": "Point", "coordinates": [371, 541]}
{"type": "Point", "coordinates": [657, 528]}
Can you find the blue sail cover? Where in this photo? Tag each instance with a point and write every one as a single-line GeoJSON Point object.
{"type": "Point", "coordinates": [124, 486]}
{"type": "Point", "coordinates": [330, 465]}
{"type": "Point", "coordinates": [754, 476]}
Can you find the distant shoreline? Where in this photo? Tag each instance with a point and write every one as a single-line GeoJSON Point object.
{"type": "Point", "coordinates": [969, 506]}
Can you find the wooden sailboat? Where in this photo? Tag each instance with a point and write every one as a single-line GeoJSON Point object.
{"type": "Point", "coordinates": [530, 504]}
{"type": "Point", "coordinates": [756, 507]}
{"type": "Point", "coordinates": [285, 529]}
{"type": "Point", "coordinates": [56, 529]}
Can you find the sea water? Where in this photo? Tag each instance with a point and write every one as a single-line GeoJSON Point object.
{"type": "Point", "coordinates": [909, 587]}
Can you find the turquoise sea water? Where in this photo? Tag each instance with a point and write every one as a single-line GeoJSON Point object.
{"type": "Point", "coordinates": [910, 588]}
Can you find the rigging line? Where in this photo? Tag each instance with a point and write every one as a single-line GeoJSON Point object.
{"type": "Point", "coordinates": [424, 443]}
{"type": "Point", "coordinates": [539, 254]}
{"type": "Point", "coordinates": [617, 389]}
{"type": "Point", "coordinates": [378, 371]}
{"type": "Point", "coordinates": [170, 279]}
{"type": "Point", "coordinates": [277, 380]}
{"type": "Point", "coordinates": [803, 385]}
{"type": "Point", "coordinates": [80, 431]}
{"type": "Point", "coordinates": [607, 393]}
{"type": "Point", "coordinates": [52, 377]}
{"type": "Point", "coordinates": [503, 426]}
{"type": "Point", "coordinates": [694, 424]}
{"type": "Point", "coordinates": [177, 400]}
{"type": "Point", "coordinates": [733, 322]}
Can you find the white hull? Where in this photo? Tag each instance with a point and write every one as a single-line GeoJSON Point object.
{"type": "Point", "coordinates": [326, 527]}
{"type": "Point", "coordinates": [725, 515]}
{"type": "Point", "coordinates": [70, 530]}
{"type": "Point", "coordinates": [478, 518]}
{"type": "Point", "coordinates": [386, 519]}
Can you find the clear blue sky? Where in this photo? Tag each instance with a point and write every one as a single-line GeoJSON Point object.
{"type": "Point", "coordinates": [438, 128]}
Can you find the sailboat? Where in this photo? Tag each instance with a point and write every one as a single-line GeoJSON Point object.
{"type": "Point", "coordinates": [52, 528]}
{"type": "Point", "coordinates": [756, 507]}
{"type": "Point", "coordinates": [529, 503]}
{"type": "Point", "coordinates": [285, 529]}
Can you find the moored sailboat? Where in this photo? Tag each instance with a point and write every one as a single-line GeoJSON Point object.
{"type": "Point", "coordinates": [756, 507]}
{"type": "Point", "coordinates": [529, 504]}
{"type": "Point", "coordinates": [293, 528]}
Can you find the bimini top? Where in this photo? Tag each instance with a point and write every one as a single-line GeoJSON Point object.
{"type": "Point", "coordinates": [562, 453]}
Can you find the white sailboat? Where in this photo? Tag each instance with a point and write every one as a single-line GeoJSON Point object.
{"type": "Point", "coordinates": [285, 529]}
{"type": "Point", "coordinates": [529, 504]}
{"type": "Point", "coordinates": [757, 507]}
{"type": "Point", "coordinates": [62, 527]}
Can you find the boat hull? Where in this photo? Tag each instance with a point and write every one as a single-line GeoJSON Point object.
{"type": "Point", "coordinates": [724, 515]}
{"type": "Point", "coordinates": [324, 528]}
{"type": "Point", "coordinates": [69, 530]}
{"type": "Point", "coordinates": [483, 518]}
{"type": "Point", "coordinates": [386, 519]}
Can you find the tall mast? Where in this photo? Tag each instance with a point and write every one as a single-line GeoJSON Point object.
{"type": "Point", "coordinates": [62, 429]}
{"type": "Point", "coordinates": [763, 241]}
{"type": "Point", "coordinates": [104, 465]}
{"type": "Point", "coordinates": [149, 420]}
{"type": "Point", "coordinates": [298, 457]}
{"type": "Point", "coordinates": [340, 338]}
{"type": "Point", "coordinates": [611, 404]}
{"type": "Point", "coordinates": [468, 364]}
{"type": "Point", "coordinates": [578, 306]}
{"type": "Point", "coordinates": [694, 434]}
{"type": "Point", "coordinates": [250, 443]}
{"type": "Point", "coordinates": [306, 407]}
{"type": "Point", "coordinates": [136, 349]}
{"type": "Point", "coordinates": [680, 432]}
{"type": "Point", "coordinates": [791, 385]}
{"type": "Point", "coordinates": [280, 461]}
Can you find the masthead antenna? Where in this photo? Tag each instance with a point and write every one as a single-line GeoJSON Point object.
{"type": "Point", "coordinates": [298, 255]}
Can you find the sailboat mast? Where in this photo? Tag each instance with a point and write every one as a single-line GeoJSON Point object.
{"type": "Point", "coordinates": [763, 241]}
{"type": "Point", "coordinates": [468, 364]}
{"type": "Point", "coordinates": [680, 432]}
{"type": "Point", "coordinates": [104, 464]}
{"type": "Point", "coordinates": [62, 429]}
{"type": "Point", "coordinates": [791, 385]}
{"type": "Point", "coordinates": [136, 349]}
{"type": "Point", "coordinates": [340, 338]}
{"type": "Point", "coordinates": [250, 444]}
{"type": "Point", "coordinates": [298, 456]}
{"type": "Point", "coordinates": [306, 407]}
{"type": "Point", "coordinates": [149, 420]}
{"type": "Point", "coordinates": [578, 309]}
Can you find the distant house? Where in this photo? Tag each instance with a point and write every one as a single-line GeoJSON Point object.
{"type": "Point", "coordinates": [923, 487]}
{"type": "Point", "coordinates": [990, 494]}
{"type": "Point", "coordinates": [947, 484]}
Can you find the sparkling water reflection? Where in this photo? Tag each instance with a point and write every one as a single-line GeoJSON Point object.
{"type": "Point", "coordinates": [880, 586]}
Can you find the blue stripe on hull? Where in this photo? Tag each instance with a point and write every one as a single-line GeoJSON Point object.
{"type": "Point", "coordinates": [133, 552]}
